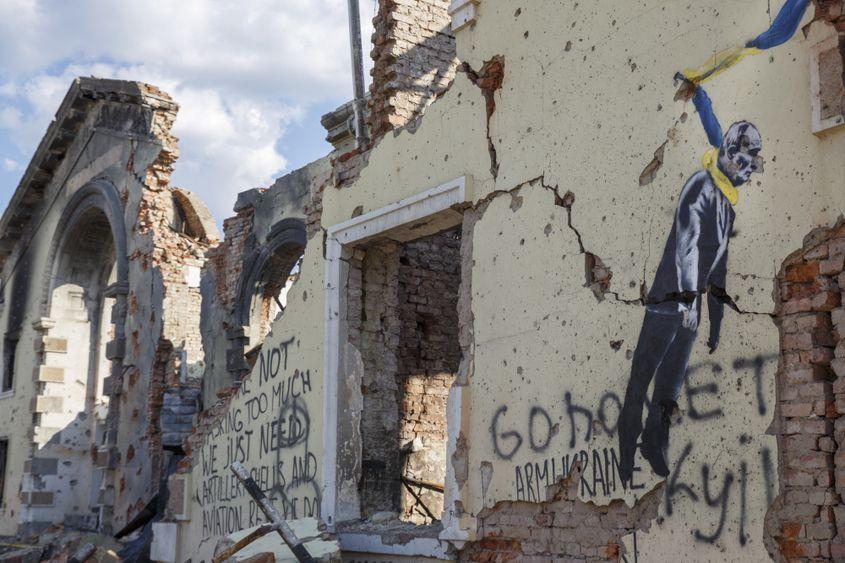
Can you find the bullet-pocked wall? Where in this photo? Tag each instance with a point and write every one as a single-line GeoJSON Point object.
{"type": "Point", "coordinates": [576, 152]}
{"type": "Point", "coordinates": [586, 99]}
{"type": "Point", "coordinates": [100, 277]}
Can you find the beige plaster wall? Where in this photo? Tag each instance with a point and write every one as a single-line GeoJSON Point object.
{"type": "Point", "coordinates": [586, 100]}
{"type": "Point", "coordinates": [587, 119]}
{"type": "Point", "coordinates": [282, 397]}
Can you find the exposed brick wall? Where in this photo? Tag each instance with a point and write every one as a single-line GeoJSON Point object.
{"type": "Point", "coordinates": [429, 358]}
{"type": "Point", "coordinates": [374, 328]}
{"type": "Point", "coordinates": [226, 259]}
{"type": "Point", "coordinates": [413, 60]}
{"type": "Point", "coordinates": [802, 524]}
{"type": "Point", "coordinates": [402, 317]}
{"type": "Point", "coordinates": [174, 328]}
{"type": "Point", "coordinates": [562, 528]}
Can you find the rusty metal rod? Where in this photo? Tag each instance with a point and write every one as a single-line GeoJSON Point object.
{"type": "Point", "coordinates": [425, 484]}
{"type": "Point", "coordinates": [259, 532]}
{"type": "Point", "coordinates": [419, 500]}
{"type": "Point", "coordinates": [293, 542]}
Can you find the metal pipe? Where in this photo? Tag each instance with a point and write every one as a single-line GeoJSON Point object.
{"type": "Point", "coordinates": [361, 134]}
{"type": "Point", "coordinates": [293, 542]}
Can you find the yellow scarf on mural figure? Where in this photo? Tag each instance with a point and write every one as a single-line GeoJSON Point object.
{"type": "Point", "coordinates": [710, 162]}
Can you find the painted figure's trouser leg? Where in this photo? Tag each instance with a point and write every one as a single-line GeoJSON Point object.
{"type": "Point", "coordinates": [656, 336]}
{"type": "Point", "coordinates": [667, 387]}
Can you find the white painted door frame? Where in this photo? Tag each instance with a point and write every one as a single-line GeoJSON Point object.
{"type": "Point", "coordinates": [404, 213]}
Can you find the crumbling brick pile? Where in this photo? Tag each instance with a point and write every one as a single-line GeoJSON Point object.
{"type": "Point", "coordinates": [562, 528]}
{"type": "Point", "coordinates": [414, 60]}
{"type": "Point", "coordinates": [804, 522]}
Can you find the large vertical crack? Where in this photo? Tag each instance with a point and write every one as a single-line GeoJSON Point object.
{"type": "Point", "coordinates": [489, 78]}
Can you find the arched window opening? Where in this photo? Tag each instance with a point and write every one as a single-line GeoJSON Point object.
{"type": "Point", "coordinates": [270, 296]}
{"type": "Point", "coordinates": [189, 216]}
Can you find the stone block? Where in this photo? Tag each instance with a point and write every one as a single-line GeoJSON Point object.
{"type": "Point", "coordinates": [50, 374]}
{"type": "Point", "coordinates": [41, 498]}
{"type": "Point", "coordinates": [54, 345]}
{"type": "Point", "coordinates": [116, 349]}
{"type": "Point", "coordinates": [47, 404]}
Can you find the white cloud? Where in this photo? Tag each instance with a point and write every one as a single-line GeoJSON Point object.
{"type": "Point", "coordinates": [242, 72]}
{"type": "Point", "coordinates": [10, 165]}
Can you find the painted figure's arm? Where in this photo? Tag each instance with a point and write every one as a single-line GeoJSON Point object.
{"type": "Point", "coordinates": [688, 218]}
{"type": "Point", "coordinates": [716, 298]}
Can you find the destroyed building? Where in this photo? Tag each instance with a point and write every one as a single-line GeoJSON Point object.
{"type": "Point", "coordinates": [428, 339]}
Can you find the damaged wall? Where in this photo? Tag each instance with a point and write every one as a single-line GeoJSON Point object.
{"type": "Point", "coordinates": [101, 283]}
{"type": "Point", "coordinates": [560, 108]}
{"type": "Point", "coordinates": [550, 354]}
{"type": "Point", "coordinates": [268, 223]}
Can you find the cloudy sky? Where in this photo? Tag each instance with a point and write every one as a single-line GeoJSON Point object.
{"type": "Point", "coordinates": [252, 78]}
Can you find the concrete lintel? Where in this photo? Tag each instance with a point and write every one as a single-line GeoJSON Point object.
{"type": "Point", "coordinates": [417, 547]}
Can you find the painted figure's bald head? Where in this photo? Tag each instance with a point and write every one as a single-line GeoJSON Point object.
{"type": "Point", "coordinates": [739, 156]}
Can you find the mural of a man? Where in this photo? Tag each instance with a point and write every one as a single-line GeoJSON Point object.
{"type": "Point", "coordinates": [694, 263]}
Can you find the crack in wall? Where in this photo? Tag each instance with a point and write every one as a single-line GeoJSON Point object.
{"type": "Point", "coordinates": [598, 275]}
{"type": "Point", "coordinates": [488, 79]}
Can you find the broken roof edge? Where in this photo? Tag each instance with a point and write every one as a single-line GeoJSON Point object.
{"type": "Point", "coordinates": [60, 134]}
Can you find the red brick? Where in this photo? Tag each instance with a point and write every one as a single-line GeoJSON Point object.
{"type": "Point", "coordinates": [798, 341]}
{"type": "Point", "coordinates": [796, 410]}
{"type": "Point", "coordinates": [804, 272]}
{"type": "Point", "coordinates": [820, 531]}
{"type": "Point", "coordinates": [792, 529]}
{"type": "Point", "coordinates": [832, 266]}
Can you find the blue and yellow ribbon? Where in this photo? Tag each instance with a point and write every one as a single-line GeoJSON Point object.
{"type": "Point", "coordinates": [782, 29]}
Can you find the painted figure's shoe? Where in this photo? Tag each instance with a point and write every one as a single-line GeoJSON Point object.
{"type": "Point", "coordinates": [656, 457]}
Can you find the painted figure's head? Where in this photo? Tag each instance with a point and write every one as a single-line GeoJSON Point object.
{"type": "Point", "coordinates": [739, 156]}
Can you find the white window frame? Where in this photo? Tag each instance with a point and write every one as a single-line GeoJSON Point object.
{"type": "Point", "coordinates": [410, 211]}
